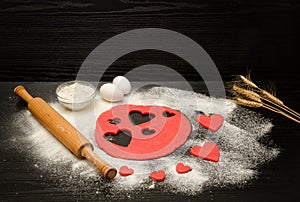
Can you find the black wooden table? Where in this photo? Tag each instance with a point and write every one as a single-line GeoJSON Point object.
{"type": "Point", "coordinates": [20, 180]}
{"type": "Point", "coordinates": [44, 43]}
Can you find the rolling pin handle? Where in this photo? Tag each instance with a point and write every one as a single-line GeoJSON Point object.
{"type": "Point", "coordinates": [105, 169]}
{"type": "Point", "coordinates": [22, 92]}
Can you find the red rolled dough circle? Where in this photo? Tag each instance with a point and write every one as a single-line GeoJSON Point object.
{"type": "Point", "coordinates": [170, 131]}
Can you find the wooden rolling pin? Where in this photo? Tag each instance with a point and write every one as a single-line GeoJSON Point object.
{"type": "Point", "coordinates": [64, 132]}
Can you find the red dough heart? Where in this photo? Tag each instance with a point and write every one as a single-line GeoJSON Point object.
{"type": "Point", "coordinates": [125, 171]}
{"type": "Point", "coordinates": [181, 168]}
{"type": "Point", "coordinates": [195, 151]}
{"type": "Point", "coordinates": [209, 151]}
{"type": "Point", "coordinates": [158, 176]}
{"type": "Point", "coordinates": [212, 122]}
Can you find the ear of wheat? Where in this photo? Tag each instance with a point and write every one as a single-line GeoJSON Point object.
{"type": "Point", "coordinates": [246, 93]}
{"type": "Point", "coordinates": [248, 82]}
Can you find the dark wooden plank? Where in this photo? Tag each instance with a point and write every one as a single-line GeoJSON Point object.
{"type": "Point", "coordinates": [48, 41]}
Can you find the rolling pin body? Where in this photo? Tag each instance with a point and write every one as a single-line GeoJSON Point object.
{"type": "Point", "coordinates": [64, 131]}
{"type": "Point", "coordinates": [58, 126]}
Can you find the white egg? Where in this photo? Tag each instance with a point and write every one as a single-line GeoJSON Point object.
{"type": "Point", "coordinates": [122, 83]}
{"type": "Point", "coordinates": [111, 92]}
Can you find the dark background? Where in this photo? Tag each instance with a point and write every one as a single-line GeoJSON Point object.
{"type": "Point", "coordinates": [48, 40]}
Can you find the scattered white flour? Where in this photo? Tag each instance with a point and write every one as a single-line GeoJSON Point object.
{"type": "Point", "coordinates": [241, 153]}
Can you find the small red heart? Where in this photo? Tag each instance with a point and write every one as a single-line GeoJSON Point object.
{"type": "Point", "coordinates": [181, 168]}
{"type": "Point", "coordinates": [212, 122]}
{"type": "Point", "coordinates": [209, 151]}
{"type": "Point", "coordinates": [125, 171]}
{"type": "Point", "coordinates": [195, 150]}
{"type": "Point", "coordinates": [158, 176]}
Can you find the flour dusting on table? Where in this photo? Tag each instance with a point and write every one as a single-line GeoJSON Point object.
{"type": "Point", "coordinates": [241, 153]}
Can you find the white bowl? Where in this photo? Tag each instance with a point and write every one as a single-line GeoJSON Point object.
{"type": "Point", "coordinates": [76, 95]}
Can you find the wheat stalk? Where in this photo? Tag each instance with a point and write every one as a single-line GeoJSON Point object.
{"type": "Point", "coordinates": [268, 96]}
{"type": "Point", "coordinates": [255, 97]}
{"type": "Point", "coordinates": [248, 103]}
{"type": "Point", "coordinates": [247, 93]}
{"type": "Point", "coordinates": [248, 82]}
